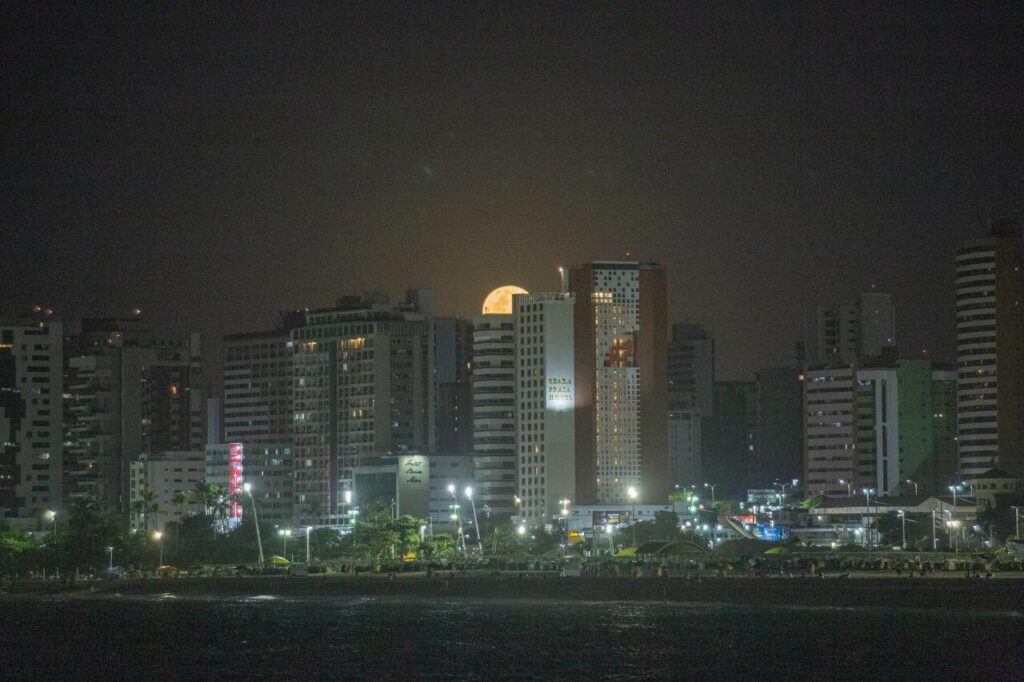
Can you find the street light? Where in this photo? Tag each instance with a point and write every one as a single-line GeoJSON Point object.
{"type": "Point", "coordinates": [285, 533]}
{"type": "Point", "coordinates": [565, 519]}
{"type": "Point", "coordinates": [712, 486]}
{"type": "Point", "coordinates": [476, 523]}
{"type": "Point", "coordinates": [867, 507]}
{"type": "Point", "coordinates": [159, 537]}
{"type": "Point", "coordinates": [849, 486]}
{"type": "Point", "coordinates": [110, 549]}
{"type": "Point", "coordinates": [247, 487]}
{"type": "Point", "coordinates": [1016, 520]}
{"type": "Point", "coordinates": [309, 529]}
{"type": "Point", "coordinates": [913, 483]}
{"type": "Point", "coordinates": [52, 516]}
{"type": "Point", "coordinates": [782, 498]}
{"type": "Point", "coordinates": [903, 517]}
{"type": "Point", "coordinates": [632, 516]}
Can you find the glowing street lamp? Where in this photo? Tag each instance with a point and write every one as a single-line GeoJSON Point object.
{"type": "Point", "coordinates": [913, 483]}
{"type": "Point", "coordinates": [849, 486]}
{"type": "Point", "coordinates": [285, 533]}
{"type": "Point", "coordinates": [712, 487]}
{"type": "Point", "coordinates": [110, 548]}
{"type": "Point", "coordinates": [52, 516]}
{"type": "Point", "coordinates": [159, 537]}
{"type": "Point", "coordinates": [867, 505]}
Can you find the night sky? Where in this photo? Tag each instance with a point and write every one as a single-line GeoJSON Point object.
{"type": "Point", "coordinates": [214, 163]}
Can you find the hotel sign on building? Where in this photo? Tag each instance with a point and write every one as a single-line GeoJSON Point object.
{"type": "Point", "coordinates": [560, 393]}
{"type": "Point", "coordinates": [414, 485]}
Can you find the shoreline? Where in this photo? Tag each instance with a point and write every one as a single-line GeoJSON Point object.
{"type": "Point", "coordinates": [1004, 594]}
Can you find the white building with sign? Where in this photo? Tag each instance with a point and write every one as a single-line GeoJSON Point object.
{"type": "Point", "coordinates": [545, 401]}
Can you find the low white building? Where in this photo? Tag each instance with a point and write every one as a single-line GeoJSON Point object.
{"type": "Point", "coordinates": [163, 475]}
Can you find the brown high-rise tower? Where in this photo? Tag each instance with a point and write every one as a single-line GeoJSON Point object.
{"type": "Point", "coordinates": [620, 337]}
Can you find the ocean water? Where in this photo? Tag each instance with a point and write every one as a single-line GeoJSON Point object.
{"type": "Point", "coordinates": [169, 637]}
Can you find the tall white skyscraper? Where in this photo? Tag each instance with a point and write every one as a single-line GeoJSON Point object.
{"type": "Point", "coordinates": [545, 401]}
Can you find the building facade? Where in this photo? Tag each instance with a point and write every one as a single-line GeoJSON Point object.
{"type": "Point", "coordinates": [31, 421]}
{"type": "Point", "coordinates": [990, 351]}
{"type": "Point", "coordinates": [620, 338]}
{"type": "Point", "coordinates": [128, 392]}
{"type": "Point", "coordinates": [257, 404]}
{"type": "Point", "coordinates": [545, 399]}
{"type": "Point", "coordinates": [453, 373]}
{"type": "Point", "coordinates": [363, 386]}
{"type": "Point", "coordinates": [494, 438]}
{"type": "Point", "coordinates": [161, 479]}
{"type": "Point", "coordinates": [850, 331]}
{"type": "Point", "coordinates": [887, 427]}
{"type": "Point", "coordinates": [691, 375]}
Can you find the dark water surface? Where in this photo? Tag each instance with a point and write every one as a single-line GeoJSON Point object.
{"type": "Point", "coordinates": [165, 637]}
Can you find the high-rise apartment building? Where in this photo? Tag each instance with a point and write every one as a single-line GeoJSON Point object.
{"type": "Point", "coordinates": [727, 448]}
{"type": "Point", "coordinates": [257, 404]}
{"type": "Point", "coordinates": [778, 428]}
{"type": "Point", "coordinates": [31, 419]}
{"type": "Point", "coordinates": [877, 427]}
{"type": "Point", "coordinates": [829, 429]}
{"type": "Point", "coordinates": [544, 400]}
{"type": "Point", "coordinates": [128, 392]}
{"type": "Point", "coordinates": [691, 375]}
{"type": "Point", "coordinates": [453, 370]}
{"type": "Point", "coordinates": [620, 382]}
{"type": "Point", "coordinates": [990, 351]}
{"type": "Point", "coordinates": [363, 386]}
{"type": "Point", "coordinates": [848, 332]}
{"type": "Point", "coordinates": [494, 438]}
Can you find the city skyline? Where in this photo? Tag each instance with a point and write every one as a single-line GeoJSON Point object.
{"type": "Point", "coordinates": [161, 155]}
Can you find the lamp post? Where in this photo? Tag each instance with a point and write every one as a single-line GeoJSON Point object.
{"type": "Point", "coordinates": [255, 518]}
{"type": "Point", "coordinates": [565, 519]}
{"type": "Point", "coordinates": [110, 549]}
{"type": "Point", "coordinates": [632, 516]}
{"type": "Point", "coordinates": [52, 516]}
{"type": "Point", "coordinates": [935, 540]}
{"type": "Point", "coordinates": [476, 522]}
{"type": "Point", "coordinates": [285, 533]}
{"type": "Point", "coordinates": [712, 487]}
{"type": "Point", "coordinates": [867, 508]}
{"type": "Point", "coordinates": [903, 517]}
{"type": "Point", "coordinates": [1016, 521]}
{"type": "Point", "coordinates": [309, 529]}
{"type": "Point", "coordinates": [913, 483]}
{"type": "Point", "coordinates": [159, 537]}
{"type": "Point", "coordinates": [849, 486]}
{"type": "Point", "coordinates": [456, 516]}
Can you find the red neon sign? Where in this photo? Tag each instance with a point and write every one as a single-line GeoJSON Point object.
{"type": "Point", "coordinates": [235, 480]}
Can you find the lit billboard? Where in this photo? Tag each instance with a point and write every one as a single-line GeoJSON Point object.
{"type": "Point", "coordinates": [235, 480]}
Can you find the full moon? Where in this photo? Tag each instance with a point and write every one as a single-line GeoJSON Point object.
{"type": "Point", "coordinates": [499, 301]}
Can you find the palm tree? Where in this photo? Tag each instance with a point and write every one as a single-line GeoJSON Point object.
{"type": "Point", "coordinates": [145, 505]}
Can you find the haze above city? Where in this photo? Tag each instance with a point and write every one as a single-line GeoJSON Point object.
{"type": "Point", "coordinates": [214, 165]}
